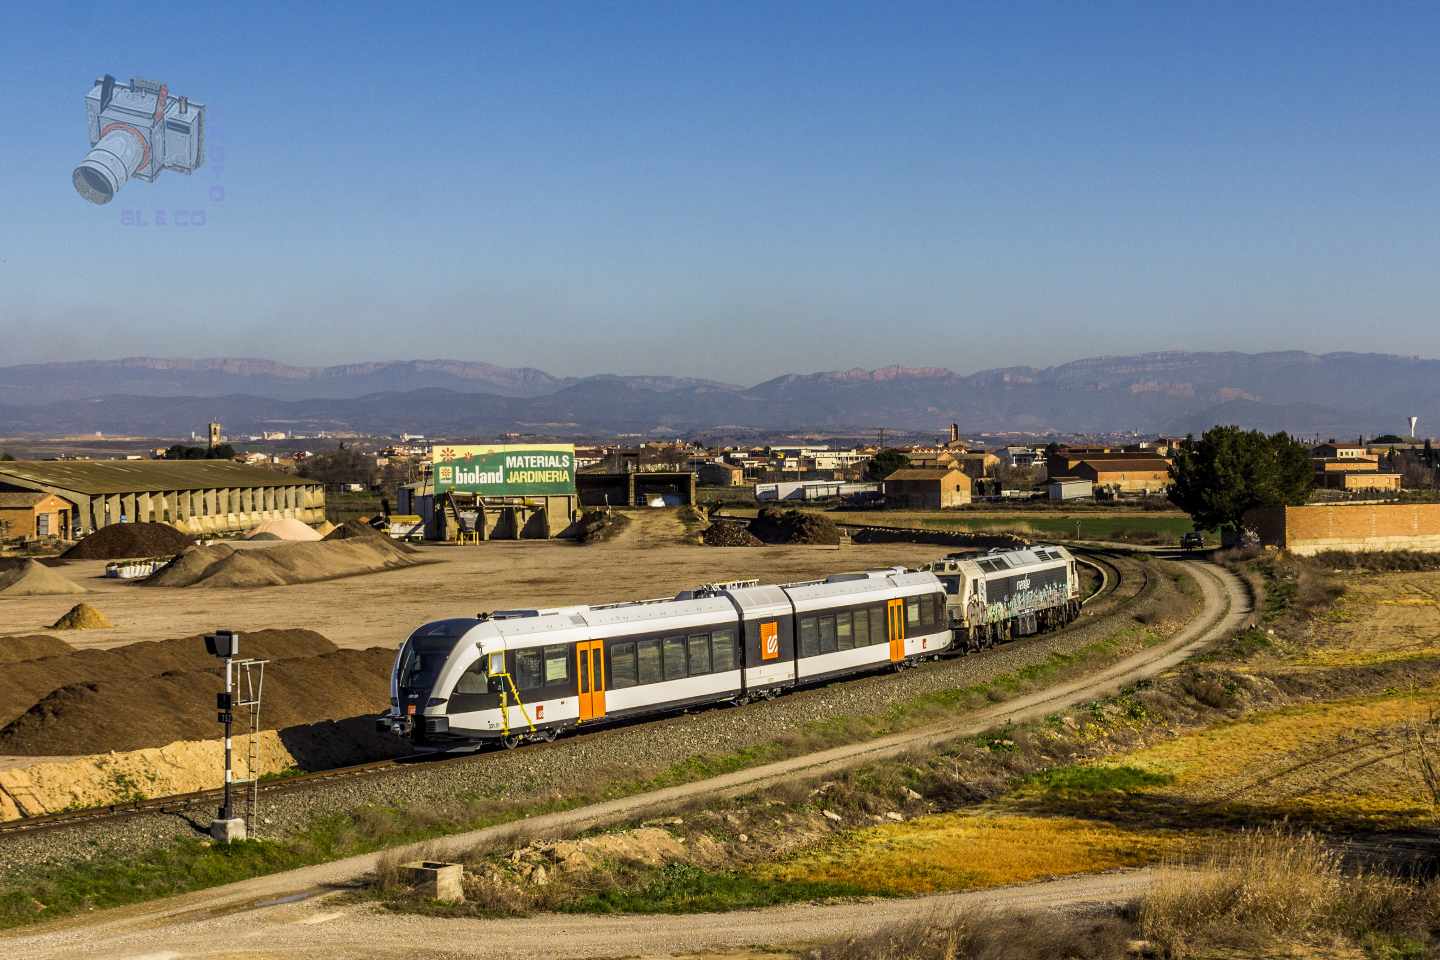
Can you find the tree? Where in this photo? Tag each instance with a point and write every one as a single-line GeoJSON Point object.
{"type": "Point", "coordinates": [885, 463]}
{"type": "Point", "coordinates": [345, 465]}
{"type": "Point", "coordinates": [1385, 438]}
{"type": "Point", "coordinates": [8, 458]}
{"type": "Point", "coordinates": [1229, 471]}
{"type": "Point", "coordinates": [181, 451]}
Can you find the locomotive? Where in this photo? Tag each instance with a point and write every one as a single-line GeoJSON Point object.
{"type": "Point", "coordinates": [513, 676]}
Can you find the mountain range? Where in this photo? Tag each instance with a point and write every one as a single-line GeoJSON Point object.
{"type": "Point", "coordinates": [1174, 392]}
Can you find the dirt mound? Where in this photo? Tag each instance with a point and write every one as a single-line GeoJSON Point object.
{"type": "Point", "coordinates": [15, 563]}
{"type": "Point", "coordinates": [24, 684]}
{"type": "Point", "coordinates": [774, 525]}
{"type": "Point", "coordinates": [730, 533]}
{"type": "Point", "coordinates": [82, 616]}
{"type": "Point", "coordinates": [189, 566]}
{"type": "Point", "coordinates": [358, 529]}
{"type": "Point", "coordinates": [221, 566]}
{"type": "Point", "coordinates": [32, 579]}
{"type": "Point", "coordinates": [595, 526]}
{"type": "Point", "coordinates": [325, 529]}
{"type": "Point", "coordinates": [121, 540]}
{"type": "Point", "coordinates": [106, 714]}
{"type": "Point", "coordinates": [287, 528]}
{"type": "Point", "coordinates": [33, 647]}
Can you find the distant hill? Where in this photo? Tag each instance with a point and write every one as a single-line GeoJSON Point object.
{"type": "Point", "coordinates": [1337, 393]}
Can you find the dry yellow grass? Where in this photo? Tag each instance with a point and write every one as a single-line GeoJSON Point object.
{"type": "Point", "coordinates": [974, 850]}
{"type": "Point", "coordinates": [1381, 619]}
{"type": "Point", "coordinates": [1347, 760]}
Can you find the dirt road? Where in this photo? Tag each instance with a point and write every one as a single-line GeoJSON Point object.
{"type": "Point", "coordinates": [128, 932]}
{"type": "Point", "coordinates": [321, 929]}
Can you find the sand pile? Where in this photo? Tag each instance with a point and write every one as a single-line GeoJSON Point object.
{"type": "Point", "coordinates": [82, 616]}
{"type": "Point", "coordinates": [33, 647]}
{"type": "Point", "coordinates": [223, 566]}
{"type": "Point", "coordinates": [33, 579]}
{"type": "Point", "coordinates": [597, 526]}
{"type": "Point", "coordinates": [131, 713]}
{"type": "Point", "coordinates": [730, 533]}
{"type": "Point", "coordinates": [25, 684]}
{"type": "Point", "coordinates": [285, 529]}
{"type": "Point", "coordinates": [774, 525]}
{"type": "Point", "coordinates": [325, 529]}
{"type": "Point", "coordinates": [120, 541]}
{"type": "Point", "coordinates": [358, 529]}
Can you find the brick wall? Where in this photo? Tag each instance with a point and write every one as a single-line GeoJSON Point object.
{"type": "Point", "coordinates": [1350, 526]}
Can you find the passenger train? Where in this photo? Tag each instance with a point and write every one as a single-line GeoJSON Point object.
{"type": "Point", "coordinates": [517, 675]}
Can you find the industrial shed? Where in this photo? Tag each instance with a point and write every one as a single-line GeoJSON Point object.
{"type": "Point", "coordinates": [927, 488]}
{"type": "Point", "coordinates": [196, 496]}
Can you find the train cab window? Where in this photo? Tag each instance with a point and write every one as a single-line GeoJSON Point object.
{"type": "Point", "coordinates": [622, 665]}
{"type": "Point", "coordinates": [699, 644]}
{"type": "Point", "coordinates": [862, 628]}
{"type": "Point", "coordinates": [529, 669]}
{"type": "Point", "coordinates": [722, 651]}
{"type": "Point", "coordinates": [475, 680]}
{"type": "Point", "coordinates": [674, 657]}
{"type": "Point", "coordinates": [912, 612]}
{"type": "Point", "coordinates": [938, 600]}
{"type": "Point", "coordinates": [877, 626]}
{"type": "Point", "coordinates": [827, 633]}
{"type": "Point", "coordinates": [557, 664]}
{"type": "Point", "coordinates": [809, 637]}
{"type": "Point", "coordinates": [844, 632]}
{"type": "Point", "coordinates": [647, 654]}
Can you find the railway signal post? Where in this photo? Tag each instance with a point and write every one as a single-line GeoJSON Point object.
{"type": "Point", "coordinates": [248, 676]}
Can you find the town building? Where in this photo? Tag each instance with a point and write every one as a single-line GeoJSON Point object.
{"type": "Point", "coordinates": [31, 514]}
{"type": "Point", "coordinates": [1143, 476]}
{"type": "Point", "coordinates": [927, 488]}
{"type": "Point", "coordinates": [717, 473]}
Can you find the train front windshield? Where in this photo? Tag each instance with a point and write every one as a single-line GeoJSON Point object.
{"type": "Point", "coordinates": [422, 659]}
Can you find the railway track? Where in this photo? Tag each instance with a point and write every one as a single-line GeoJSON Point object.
{"type": "Point", "coordinates": [178, 804]}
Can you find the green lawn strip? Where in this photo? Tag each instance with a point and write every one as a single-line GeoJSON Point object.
{"type": "Point", "coordinates": [184, 866]}
{"type": "Point", "coordinates": [686, 888]}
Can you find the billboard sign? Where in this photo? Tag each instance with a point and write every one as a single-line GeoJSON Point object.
{"type": "Point", "coordinates": [505, 469]}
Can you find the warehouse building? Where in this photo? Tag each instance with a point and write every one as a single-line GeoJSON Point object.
{"type": "Point", "coordinates": [196, 496]}
{"type": "Point", "coordinates": [497, 491]}
{"type": "Point", "coordinates": [1144, 475]}
{"type": "Point", "coordinates": [927, 488]}
{"type": "Point", "coordinates": [1315, 528]}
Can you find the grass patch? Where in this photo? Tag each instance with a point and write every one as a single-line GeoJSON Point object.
{"type": "Point", "coordinates": [1078, 781]}
{"type": "Point", "coordinates": [686, 888]}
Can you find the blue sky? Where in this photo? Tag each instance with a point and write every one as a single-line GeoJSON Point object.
{"type": "Point", "coordinates": [734, 190]}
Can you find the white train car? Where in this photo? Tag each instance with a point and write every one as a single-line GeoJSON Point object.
{"type": "Point", "coordinates": [513, 676]}
{"type": "Point", "coordinates": [1003, 594]}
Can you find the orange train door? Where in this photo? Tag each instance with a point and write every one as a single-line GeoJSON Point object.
{"type": "Point", "coordinates": [590, 664]}
{"type": "Point", "coordinates": [895, 623]}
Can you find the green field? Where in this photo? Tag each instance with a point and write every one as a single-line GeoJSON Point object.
{"type": "Point", "coordinates": [1124, 525]}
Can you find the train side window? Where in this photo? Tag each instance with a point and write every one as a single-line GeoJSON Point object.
{"type": "Point", "coordinates": [938, 600]}
{"type": "Point", "coordinates": [474, 680]}
{"type": "Point", "coordinates": [674, 658]}
{"type": "Point", "coordinates": [699, 644]}
{"type": "Point", "coordinates": [622, 665]}
{"type": "Point", "coordinates": [809, 637]}
{"type": "Point", "coordinates": [844, 634]}
{"type": "Point", "coordinates": [912, 612]}
{"type": "Point", "coordinates": [827, 633]}
{"type": "Point", "coordinates": [557, 664]}
{"type": "Point", "coordinates": [529, 667]}
{"type": "Point", "coordinates": [877, 626]}
{"type": "Point", "coordinates": [722, 651]}
{"type": "Point", "coordinates": [647, 653]}
{"type": "Point", "coordinates": [862, 627]}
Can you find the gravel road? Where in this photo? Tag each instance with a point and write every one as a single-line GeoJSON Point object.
{"type": "Point", "coordinates": [271, 918]}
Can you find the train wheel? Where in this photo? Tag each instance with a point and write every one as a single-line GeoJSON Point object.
{"type": "Point", "coordinates": [511, 741]}
{"type": "Point", "coordinates": [549, 734]}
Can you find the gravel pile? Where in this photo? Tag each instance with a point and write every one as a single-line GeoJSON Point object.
{"type": "Point", "coordinates": [32, 647]}
{"type": "Point", "coordinates": [773, 525]}
{"type": "Point", "coordinates": [730, 533]}
{"type": "Point", "coordinates": [221, 565]}
{"type": "Point", "coordinates": [120, 541]}
{"type": "Point", "coordinates": [82, 616]}
{"type": "Point", "coordinates": [34, 579]}
{"type": "Point", "coordinates": [540, 772]}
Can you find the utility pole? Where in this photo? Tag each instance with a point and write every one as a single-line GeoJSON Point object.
{"type": "Point", "coordinates": [229, 827]}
